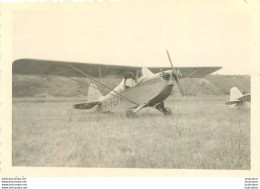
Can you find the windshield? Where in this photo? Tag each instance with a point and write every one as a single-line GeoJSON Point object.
{"type": "Point", "coordinates": [129, 82]}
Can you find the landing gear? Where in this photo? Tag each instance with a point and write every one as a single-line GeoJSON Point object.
{"type": "Point", "coordinates": [165, 110]}
{"type": "Point", "coordinates": [130, 114]}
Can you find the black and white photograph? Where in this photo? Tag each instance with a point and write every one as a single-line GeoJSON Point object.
{"type": "Point", "coordinates": [147, 85]}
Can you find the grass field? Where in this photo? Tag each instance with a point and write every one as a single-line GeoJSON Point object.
{"type": "Point", "coordinates": [202, 133]}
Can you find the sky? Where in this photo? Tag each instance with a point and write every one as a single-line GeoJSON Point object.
{"type": "Point", "coordinates": [209, 33]}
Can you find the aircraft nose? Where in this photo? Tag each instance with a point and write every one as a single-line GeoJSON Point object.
{"type": "Point", "coordinates": [166, 76]}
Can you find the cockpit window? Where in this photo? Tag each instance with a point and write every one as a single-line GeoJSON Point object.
{"type": "Point", "coordinates": [129, 82]}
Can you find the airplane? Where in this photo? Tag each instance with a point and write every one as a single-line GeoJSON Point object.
{"type": "Point", "coordinates": [237, 99]}
{"type": "Point", "coordinates": [139, 88]}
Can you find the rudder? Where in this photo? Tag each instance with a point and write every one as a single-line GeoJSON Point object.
{"type": "Point", "coordinates": [235, 94]}
{"type": "Point", "coordinates": [94, 94]}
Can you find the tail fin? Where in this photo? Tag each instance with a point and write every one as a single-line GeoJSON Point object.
{"type": "Point", "coordinates": [94, 94]}
{"type": "Point", "coordinates": [94, 97]}
{"type": "Point", "coordinates": [235, 94]}
{"type": "Point", "coordinates": [146, 72]}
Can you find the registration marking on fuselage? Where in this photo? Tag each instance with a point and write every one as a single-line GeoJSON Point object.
{"type": "Point", "coordinates": [116, 100]}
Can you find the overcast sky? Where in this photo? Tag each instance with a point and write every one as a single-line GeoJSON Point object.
{"type": "Point", "coordinates": [196, 34]}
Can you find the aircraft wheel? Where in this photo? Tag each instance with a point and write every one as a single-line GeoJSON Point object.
{"type": "Point", "coordinates": [130, 114]}
{"type": "Point", "coordinates": [167, 111]}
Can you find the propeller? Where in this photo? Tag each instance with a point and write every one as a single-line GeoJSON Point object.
{"type": "Point", "coordinates": [176, 75]}
{"type": "Point", "coordinates": [166, 76]}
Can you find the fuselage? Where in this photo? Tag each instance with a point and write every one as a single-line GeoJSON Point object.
{"type": "Point", "coordinates": [150, 90]}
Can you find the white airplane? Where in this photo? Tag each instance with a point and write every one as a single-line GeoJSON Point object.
{"type": "Point", "coordinates": [139, 88]}
{"type": "Point", "coordinates": [237, 99]}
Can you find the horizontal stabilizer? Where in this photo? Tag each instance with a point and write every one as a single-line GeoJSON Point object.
{"type": "Point", "coordinates": [233, 102]}
{"type": "Point", "coordinates": [85, 106]}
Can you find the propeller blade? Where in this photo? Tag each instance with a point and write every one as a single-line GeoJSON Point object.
{"type": "Point", "coordinates": [180, 87]}
{"type": "Point", "coordinates": [170, 59]}
{"type": "Point", "coordinates": [175, 75]}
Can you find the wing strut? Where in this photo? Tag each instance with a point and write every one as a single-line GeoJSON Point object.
{"type": "Point", "coordinates": [96, 88]}
{"type": "Point", "coordinates": [139, 107]}
{"type": "Point", "coordinates": [91, 78]}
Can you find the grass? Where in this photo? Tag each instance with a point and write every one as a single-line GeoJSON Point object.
{"type": "Point", "coordinates": [202, 133]}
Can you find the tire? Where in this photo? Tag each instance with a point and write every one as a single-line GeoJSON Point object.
{"type": "Point", "coordinates": [167, 111]}
{"type": "Point", "coordinates": [130, 114]}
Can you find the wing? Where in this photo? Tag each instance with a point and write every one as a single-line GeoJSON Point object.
{"type": "Point", "coordinates": [85, 106]}
{"type": "Point", "coordinates": [191, 72]}
{"type": "Point", "coordinates": [246, 97]}
{"type": "Point", "coordinates": [60, 68]}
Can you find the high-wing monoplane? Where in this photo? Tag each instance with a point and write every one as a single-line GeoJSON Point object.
{"type": "Point", "coordinates": [237, 99]}
{"type": "Point", "coordinates": [140, 87]}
